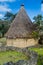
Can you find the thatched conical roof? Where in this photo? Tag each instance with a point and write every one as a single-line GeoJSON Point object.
{"type": "Point", "coordinates": [21, 27]}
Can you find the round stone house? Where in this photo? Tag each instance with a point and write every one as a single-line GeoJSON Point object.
{"type": "Point", "coordinates": [20, 31]}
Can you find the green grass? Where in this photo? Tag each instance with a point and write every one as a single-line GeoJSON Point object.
{"type": "Point", "coordinates": [38, 50]}
{"type": "Point", "coordinates": [11, 56]}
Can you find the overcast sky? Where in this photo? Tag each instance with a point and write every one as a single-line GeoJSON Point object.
{"type": "Point", "coordinates": [32, 7]}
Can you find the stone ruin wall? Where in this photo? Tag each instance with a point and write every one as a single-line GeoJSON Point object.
{"type": "Point", "coordinates": [21, 43]}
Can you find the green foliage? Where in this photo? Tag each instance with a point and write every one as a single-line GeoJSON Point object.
{"type": "Point", "coordinates": [40, 60]}
{"type": "Point", "coordinates": [11, 56]}
{"type": "Point", "coordinates": [3, 41]}
{"type": "Point", "coordinates": [41, 28]}
{"type": "Point", "coordinates": [38, 20]}
{"type": "Point", "coordinates": [9, 16]}
{"type": "Point", "coordinates": [35, 34]}
{"type": "Point", "coordinates": [39, 51]}
{"type": "Point", "coordinates": [0, 34]}
{"type": "Point", "coordinates": [5, 24]}
{"type": "Point", "coordinates": [0, 26]}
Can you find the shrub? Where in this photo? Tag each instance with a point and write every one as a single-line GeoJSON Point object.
{"type": "Point", "coordinates": [0, 34]}
{"type": "Point", "coordinates": [35, 34]}
{"type": "Point", "coordinates": [40, 60]}
{"type": "Point", "coordinates": [3, 41]}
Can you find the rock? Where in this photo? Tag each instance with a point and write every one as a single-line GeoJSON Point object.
{"type": "Point", "coordinates": [21, 62]}
{"type": "Point", "coordinates": [9, 63]}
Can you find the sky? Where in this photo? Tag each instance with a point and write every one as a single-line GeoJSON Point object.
{"type": "Point", "coordinates": [32, 7]}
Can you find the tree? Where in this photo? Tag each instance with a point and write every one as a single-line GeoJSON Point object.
{"type": "Point", "coordinates": [38, 21]}
{"type": "Point", "coordinates": [5, 24]}
{"type": "Point", "coordinates": [9, 16]}
{"type": "Point", "coordinates": [39, 27]}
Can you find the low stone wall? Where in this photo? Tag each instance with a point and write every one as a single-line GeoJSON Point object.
{"type": "Point", "coordinates": [6, 48]}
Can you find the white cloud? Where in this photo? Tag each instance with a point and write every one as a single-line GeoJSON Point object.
{"type": "Point", "coordinates": [42, 7]}
{"type": "Point", "coordinates": [7, 0]}
{"type": "Point", "coordinates": [1, 15]}
{"type": "Point", "coordinates": [4, 8]}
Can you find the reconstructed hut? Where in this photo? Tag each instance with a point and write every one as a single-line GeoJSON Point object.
{"type": "Point", "coordinates": [19, 33]}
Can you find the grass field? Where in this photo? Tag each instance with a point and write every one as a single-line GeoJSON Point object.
{"type": "Point", "coordinates": [37, 50]}
{"type": "Point", "coordinates": [11, 56]}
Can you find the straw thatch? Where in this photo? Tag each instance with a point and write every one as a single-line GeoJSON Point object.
{"type": "Point", "coordinates": [21, 27]}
